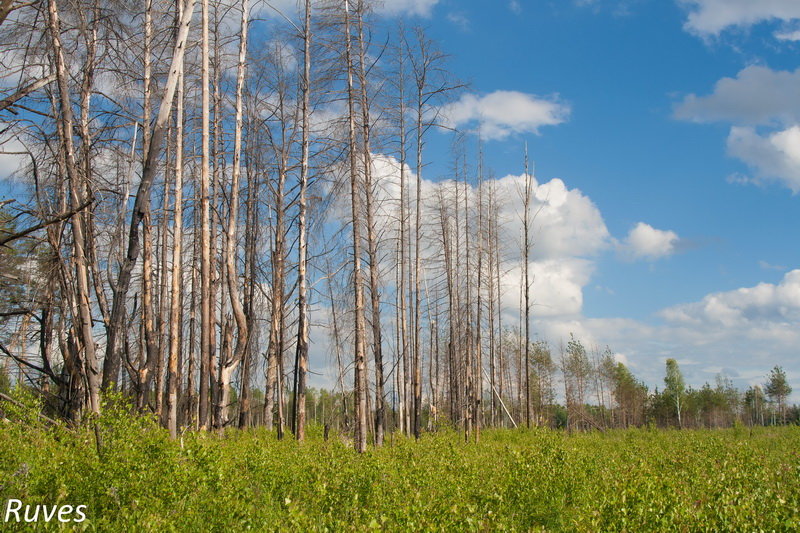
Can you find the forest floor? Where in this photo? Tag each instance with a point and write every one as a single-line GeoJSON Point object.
{"type": "Point", "coordinates": [515, 480]}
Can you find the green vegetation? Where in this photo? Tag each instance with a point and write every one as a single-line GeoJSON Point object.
{"type": "Point", "coordinates": [634, 480]}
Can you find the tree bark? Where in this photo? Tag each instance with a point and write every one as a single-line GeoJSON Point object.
{"type": "Point", "coordinates": [206, 331]}
{"type": "Point", "coordinates": [76, 187]}
{"type": "Point", "coordinates": [228, 367]}
{"type": "Point", "coordinates": [360, 441]}
{"type": "Point", "coordinates": [372, 242]}
{"type": "Point", "coordinates": [177, 270]}
{"type": "Point", "coordinates": [301, 362]}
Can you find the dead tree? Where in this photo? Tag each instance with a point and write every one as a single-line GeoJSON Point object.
{"type": "Point", "coordinates": [301, 359]}
{"type": "Point", "coordinates": [141, 205]}
{"type": "Point", "coordinates": [360, 387]}
{"type": "Point", "coordinates": [228, 366]}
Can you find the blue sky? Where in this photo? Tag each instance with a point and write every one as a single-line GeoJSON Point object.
{"type": "Point", "coordinates": [649, 133]}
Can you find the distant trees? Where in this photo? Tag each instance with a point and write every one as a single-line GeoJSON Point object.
{"type": "Point", "coordinates": [577, 371]}
{"type": "Point", "coordinates": [755, 406]}
{"type": "Point", "coordinates": [675, 388]}
{"type": "Point", "coordinates": [778, 389]}
{"type": "Point", "coordinates": [630, 395]}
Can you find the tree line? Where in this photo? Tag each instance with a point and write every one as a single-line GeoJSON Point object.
{"type": "Point", "coordinates": [207, 189]}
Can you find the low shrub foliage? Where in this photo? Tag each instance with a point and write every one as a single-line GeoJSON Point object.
{"type": "Point", "coordinates": [632, 480]}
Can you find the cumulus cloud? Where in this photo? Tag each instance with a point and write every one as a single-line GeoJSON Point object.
{"type": "Point", "coordinates": [566, 223]}
{"type": "Point", "coordinates": [702, 351]}
{"type": "Point", "coordinates": [502, 113]}
{"type": "Point", "coordinates": [711, 17]}
{"type": "Point", "coordinates": [765, 306]}
{"type": "Point", "coordinates": [748, 329]}
{"type": "Point", "coordinates": [763, 107]}
{"type": "Point", "coordinates": [646, 242]}
{"type": "Point", "coordinates": [557, 287]}
{"type": "Point", "coordinates": [773, 157]}
{"type": "Point", "coordinates": [568, 231]}
{"type": "Point", "coordinates": [756, 96]}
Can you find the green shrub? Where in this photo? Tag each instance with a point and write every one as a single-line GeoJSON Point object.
{"type": "Point", "coordinates": [634, 480]}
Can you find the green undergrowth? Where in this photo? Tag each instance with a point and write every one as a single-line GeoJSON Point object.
{"type": "Point", "coordinates": [633, 480]}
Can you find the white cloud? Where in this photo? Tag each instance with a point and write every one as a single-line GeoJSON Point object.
{"type": "Point", "coordinates": [502, 113]}
{"type": "Point", "coordinates": [421, 8]}
{"type": "Point", "coordinates": [556, 287]}
{"type": "Point", "coordinates": [787, 35]}
{"type": "Point", "coordinates": [756, 96]}
{"type": "Point", "coordinates": [566, 223]}
{"type": "Point", "coordinates": [769, 266]}
{"type": "Point", "coordinates": [774, 157]}
{"type": "Point", "coordinates": [568, 230]}
{"type": "Point", "coordinates": [765, 307]}
{"type": "Point", "coordinates": [742, 333]}
{"type": "Point", "coordinates": [460, 20]}
{"type": "Point", "coordinates": [646, 242]}
{"type": "Point", "coordinates": [11, 158]}
{"type": "Point", "coordinates": [711, 17]}
{"type": "Point", "coordinates": [515, 7]}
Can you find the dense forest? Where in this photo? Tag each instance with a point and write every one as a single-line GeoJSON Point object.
{"type": "Point", "coordinates": [210, 192]}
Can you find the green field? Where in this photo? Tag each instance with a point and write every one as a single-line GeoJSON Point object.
{"type": "Point", "coordinates": [635, 480]}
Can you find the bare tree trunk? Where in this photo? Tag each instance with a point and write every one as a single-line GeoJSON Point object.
{"type": "Point", "coordinates": [177, 271]}
{"type": "Point", "coordinates": [163, 293]}
{"type": "Point", "coordinates": [218, 271]}
{"type": "Point", "coordinates": [398, 398]}
{"type": "Point", "coordinates": [206, 331]}
{"type": "Point", "coordinates": [469, 361]}
{"type": "Point", "coordinates": [360, 442]}
{"type": "Point", "coordinates": [76, 187]}
{"type": "Point", "coordinates": [148, 309]}
{"type": "Point", "coordinates": [301, 363]}
{"type": "Point", "coordinates": [278, 315]}
{"type": "Point", "coordinates": [500, 343]}
{"type": "Point", "coordinates": [479, 309]}
{"type": "Point", "coordinates": [228, 367]}
{"type": "Point", "coordinates": [193, 405]}
{"type": "Point", "coordinates": [402, 298]}
{"type": "Point", "coordinates": [337, 346]}
{"type": "Point", "coordinates": [245, 415]}
{"type": "Point", "coordinates": [527, 289]}
{"type": "Point", "coordinates": [417, 245]}
{"type": "Point", "coordinates": [444, 222]}
{"type": "Point", "coordinates": [492, 287]}
{"type": "Point", "coordinates": [372, 243]}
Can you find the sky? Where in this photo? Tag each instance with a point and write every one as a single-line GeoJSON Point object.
{"type": "Point", "coordinates": [665, 137]}
{"type": "Point", "coordinates": [666, 141]}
